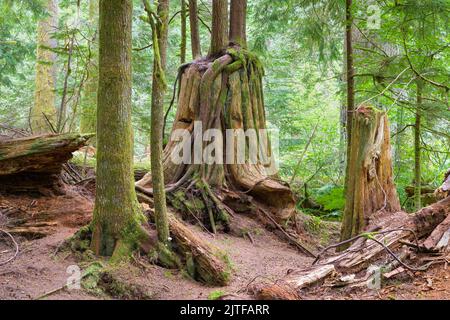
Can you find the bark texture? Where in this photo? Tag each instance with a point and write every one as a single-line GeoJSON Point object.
{"type": "Point", "coordinates": [417, 150]}
{"type": "Point", "coordinates": [44, 110]}
{"type": "Point", "coordinates": [183, 32]}
{"type": "Point", "coordinates": [195, 34]}
{"type": "Point", "coordinates": [350, 71]}
{"type": "Point", "coordinates": [116, 217]}
{"type": "Point", "coordinates": [370, 190]}
{"type": "Point", "coordinates": [238, 22]}
{"type": "Point", "coordinates": [219, 36]}
{"type": "Point", "coordinates": [160, 32]}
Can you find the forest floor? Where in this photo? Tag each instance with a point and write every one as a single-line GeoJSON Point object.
{"type": "Point", "coordinates": [39, 269]}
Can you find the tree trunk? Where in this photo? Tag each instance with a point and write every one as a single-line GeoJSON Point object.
{"type": "Point", "coordinates": [117, 213]}
{"type": "Point", "coordinates": [370, 190]}
{"type": "Point", "coordinates": [89, 101]}
{"type": "Point", "coordinates": [238, 25]}
{"type": "Point", "coordinates": [350, 80]}
{"type": "Point", "coordinates": [160, 32]}
{"type": "Point", "coordinates": [44, 110]}
{"type": "Point", "coordinates": [195, 34]}
{"type": "Point", "coordinates": [183, 32]}
{"type": "Point", "coordinates": [219, 36]}
{"type": "Point", "coordinates": [417, 150]}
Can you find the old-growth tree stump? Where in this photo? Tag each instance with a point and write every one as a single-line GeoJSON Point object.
{"type": "Point", "coordinates": [222, 93]}
{"type": "Point", "coordinates": [370, 188]}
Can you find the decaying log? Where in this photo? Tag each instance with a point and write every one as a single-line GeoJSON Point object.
{"type": "Point", "coordinates": [277, 292]}
{"type": "Point", "coordinates": [38, 153]}
{"type": "Point", "coordinates": [423, 190]}
{"type": "Point", "coordinates": [206, 262]}
{"type": "Point", "coordinates": [209, 262]}
{"type": "Point", "coordinates": [391, 234]}
{"type": "Point", "coordinates": [35, 162]}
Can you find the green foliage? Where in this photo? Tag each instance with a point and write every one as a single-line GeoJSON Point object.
{"type": "Point", "coordinates": [331, 198]}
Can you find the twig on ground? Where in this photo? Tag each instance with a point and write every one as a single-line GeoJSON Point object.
{"type": "Point", "coordinates": [16, 248]}
{"type": "Point", "coordinates": [288, 236]}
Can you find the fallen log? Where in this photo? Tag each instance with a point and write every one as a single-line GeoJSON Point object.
{"type": "Point", "coordinates": [35, 162]}
{"type": "Point", "coordinates": [390, 235]}
{"type": "Point", "coordinates": [204, 262]}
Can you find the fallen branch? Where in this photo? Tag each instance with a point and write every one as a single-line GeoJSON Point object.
{"type": "Point", "coordinates": [16, 248]}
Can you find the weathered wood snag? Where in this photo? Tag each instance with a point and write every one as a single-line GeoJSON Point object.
{"type": "Point", "coordinates": [370, 188]}
{"type": "Point", "coordinates": [35, 162]}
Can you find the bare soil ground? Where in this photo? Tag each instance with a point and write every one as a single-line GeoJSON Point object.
{"type": "Point", "coordinates": [263, 257]}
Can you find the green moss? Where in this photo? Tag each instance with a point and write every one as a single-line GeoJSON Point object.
{"type": "Point", "coordinates": [167, 257]}
{"type": "Point", "coordinates": [91, 277]}
{"type": "Point", "coordinates": [313, 224]}
{"type": "Point", "coordinates": [215, 295]}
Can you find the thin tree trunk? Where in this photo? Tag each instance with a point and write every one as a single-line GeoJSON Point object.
{"type": "Point", "coordinates": [183, 32]}
{"type": "Point", "coordinates": [44, 109]}
{"type": "Point", "coordinates": [195, 35]}
{"type": "Point", "coordinates": [238, 23]}
{"type": "Point", "coordinates": [89, 100]}
{"type": "Point", "coordinates": [63, 107]}
{"type": "Point", "coordinates": [417, 153]}
{"type": "Point", "coordinates": [350, 80]}
{"type": "Point", "coordinates": [117, 212]}
{"type": "Point", "coordinates": [219, 36]}
{"type": "Point", "coordinates": [160, 32]}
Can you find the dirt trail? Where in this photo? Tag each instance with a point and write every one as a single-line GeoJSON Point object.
{"type": "Point", "coordinates": [264, 257]}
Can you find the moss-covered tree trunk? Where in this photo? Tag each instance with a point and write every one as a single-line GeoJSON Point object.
{"type": "Point", "coordinates": [370, 190]}
{"type": "Point", "coordinates": [195, 34]}
{"type": "Point", "coordinates": [160, 32]}
{"type": "Point", "coordinates": [44, 110]}
{"type": "Point", "coordinates": [89, 99]}
{"type": "Point", "coordinates": [350, 71]}
{"type": "Point", "coordinates": [116, 217]}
